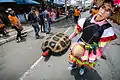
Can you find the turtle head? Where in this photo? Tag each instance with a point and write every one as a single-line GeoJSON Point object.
{"type": "Point", "coordinates": [45, 53]}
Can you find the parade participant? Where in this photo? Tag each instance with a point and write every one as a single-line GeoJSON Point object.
{"type": "Point", "coordinates": [96, 34]}
{"type": "Point", "coordinates": [16, 24]}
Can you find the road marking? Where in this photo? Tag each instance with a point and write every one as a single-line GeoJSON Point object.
{"type": "Point", "coordinates": [35, 64]}
{"type": "Point", "coordinates": [29, 70]}
{"type": "Point", "coordinates": [67, 30]}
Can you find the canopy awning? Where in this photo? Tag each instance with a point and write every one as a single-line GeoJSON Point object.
{"type": "Point", "coordinates": [62, 1]}
{"type": "Point", "coordinates": [26, 2]}
{"type": "Point", "coordinates": [20, 1]}
{"type": "Point", "coordinates": [4, 1]}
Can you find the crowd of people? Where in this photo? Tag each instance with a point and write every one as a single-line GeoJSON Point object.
{"type": "Point", "coordinates": [40, 20]}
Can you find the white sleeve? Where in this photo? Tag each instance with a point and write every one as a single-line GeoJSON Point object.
{"type": "Point", "coordinates": [107, 37]}
{"type": "Point", "coordinates": [81, 22]}
{"type": "Point", "coordinates": [108, 32]}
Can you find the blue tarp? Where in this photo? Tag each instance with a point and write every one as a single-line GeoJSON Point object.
{"type": "Point", "coordinates": [21, 17]}
{"type": "Point", "coordinates": [26, 2]}
{"type": "Point", "coordinates": [7, 1]}
{"type": "Point", "coordinates": [21, 1]}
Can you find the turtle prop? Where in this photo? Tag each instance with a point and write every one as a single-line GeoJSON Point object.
{"type": "Point", "coordinates": [56, 44]}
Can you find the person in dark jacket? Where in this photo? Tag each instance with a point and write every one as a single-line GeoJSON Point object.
{"type": "Point", "coordinates": [33, 17]}
{"type": "Point", "coordinates": [41, 21]}
{"type": "Point", "coordinates": [3, 31]}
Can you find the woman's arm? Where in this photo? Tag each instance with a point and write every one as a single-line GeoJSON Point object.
{"type": "Point", "coordinates": [78, 28]}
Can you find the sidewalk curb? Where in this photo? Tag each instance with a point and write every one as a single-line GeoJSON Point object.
{"type": "Point", "coordinates": [3, 41]}
{"type": "Point", "coordinates": [12, 37]}
{"type": "Point", "coordinates": [60, 19]}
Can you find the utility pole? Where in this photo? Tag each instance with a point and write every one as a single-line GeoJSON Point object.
{"type": "Point", "coordinates": [84, 3]}
{"type": "Point", "coordinates": [65, 7]}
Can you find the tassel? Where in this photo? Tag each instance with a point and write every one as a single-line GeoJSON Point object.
{"type": "Point", "coordinates": [85, 56]}
{"type": "Point", "coordinates": [98, 54]}
{"type": "Point", "coordinates": [92, 57]}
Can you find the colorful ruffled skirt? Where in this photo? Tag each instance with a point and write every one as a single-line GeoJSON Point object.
{"type": "Point", "coordinates": [89, 56]}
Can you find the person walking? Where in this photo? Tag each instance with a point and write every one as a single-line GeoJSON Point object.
{"type": "Point", "coordinates": [41, 20]}
{"type": "Point", "coordinates": [16, 24]}
{"type": "Point", "coordinates": [2, 28]}
{"type": "Point", "coordinates": [53, 15]}
{"type": "Point", "coordinates": [94, 11]}
{"type": "Point", "coordinates": [67, 14]}
{"type": "Point", "coordinates": [33, 16]}
{"type": "Point", "coordinates": [46, 21]}
{"type": "Point", "coordinates": [76, 15]}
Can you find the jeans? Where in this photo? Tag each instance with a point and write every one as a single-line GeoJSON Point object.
{"type": "Point", "coordinates": [2, 31]}
{"type": "Point", "coordinates": [36, 28]}
{"type": "Point", "coordinates": [18, 32]}
{"type": "Point", "coordinates": [47, 27]}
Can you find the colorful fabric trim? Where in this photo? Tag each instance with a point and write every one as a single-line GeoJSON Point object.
{"type": "Point", "coordinates": [106, 40]}
{"type": "Point", "coordinates": [77, 29]}
{"type": "Point", "coordinates": [103, 44]}
{"type": "Point", "coordinates": [109, 38]}
{"type": "Point", "coordinates": [77, 60]}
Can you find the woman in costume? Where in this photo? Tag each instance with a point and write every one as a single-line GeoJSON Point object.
{"type": "Point", "coordinates": [96, 34]}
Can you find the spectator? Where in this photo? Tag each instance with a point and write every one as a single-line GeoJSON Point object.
{"type": "Point", "coordinates": [46, 21]}
{"type": "Point", "coordinates": [76, 15]}
{"type": "Point", "coordinates": [57, 13]}
{"type": "Point", "coordinates": [53, 15]}
{"type": "Point", "coordinates": [67, 13]}
{"type": "Point", "coordinates": [33, 16]}
{"type": "Point", "coordinates": [2, 28]}
{"type": "Point", "coordinates": [94, 11]}
{"type": "Point", "coordinates": [41, 21]}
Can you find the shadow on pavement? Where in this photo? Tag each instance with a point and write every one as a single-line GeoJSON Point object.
{"type": "Point", "coordinates": [47, 58]}
{"type": "Point", "coordinates": [90, 74]}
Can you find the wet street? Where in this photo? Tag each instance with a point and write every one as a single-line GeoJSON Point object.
{"type": "Point", "coordinates": [23, 61]}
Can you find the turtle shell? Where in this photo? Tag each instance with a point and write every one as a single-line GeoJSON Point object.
{"type": "Point", "coordinates": [57, 43]}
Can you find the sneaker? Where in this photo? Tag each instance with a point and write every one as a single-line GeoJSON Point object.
{"type": "Point", "coordinates": [47, 33]}
{"type": "Point", "coordinates": [37, 37]}
{"type": "Point", "coordinates": [18, 41]}
{"type": "Point", "coordinates": [103, 57]}
{"type": "Point", "coordinates": [71, 67]}
{"type": "Point", "coordinates": [81, 71]}
{"type": "Point", "coordinates": [23, 39]}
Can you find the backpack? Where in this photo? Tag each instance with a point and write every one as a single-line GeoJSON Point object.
{"type": "Point", "coordinates": [30, 16]}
